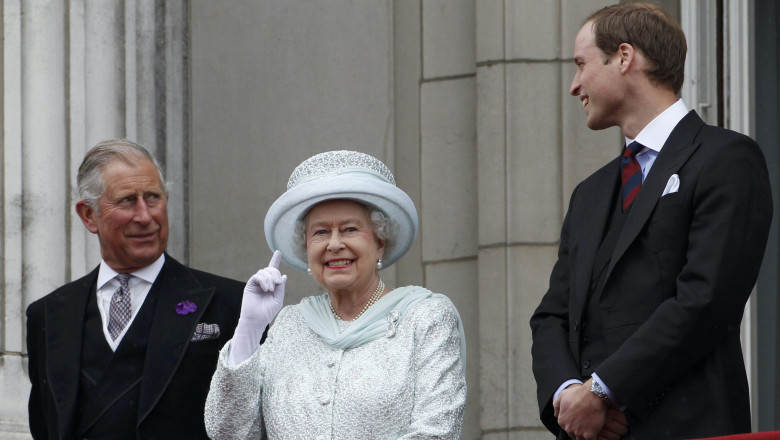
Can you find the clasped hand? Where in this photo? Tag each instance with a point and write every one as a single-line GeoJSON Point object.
{"type": "Point", "coordinates": [264, 294]}
{"type": "Point", "coordinates": [585, 417]}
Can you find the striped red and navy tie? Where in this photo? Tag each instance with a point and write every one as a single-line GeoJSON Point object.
{"type": "Point", "coordinates": [630, 174]}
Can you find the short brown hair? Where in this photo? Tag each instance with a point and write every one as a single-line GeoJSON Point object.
{"type": "Point", "coordinates": [651, 30]}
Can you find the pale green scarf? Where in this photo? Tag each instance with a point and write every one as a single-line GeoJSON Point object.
{"type": "Point", "coordinates": [373, 323]}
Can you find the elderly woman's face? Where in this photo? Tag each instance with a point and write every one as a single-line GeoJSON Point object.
{"type": "Point", "coordinates": [341, 247]}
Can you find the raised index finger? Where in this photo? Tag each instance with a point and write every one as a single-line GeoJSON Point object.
{"type": "Point", "coordinates": [275, 259]}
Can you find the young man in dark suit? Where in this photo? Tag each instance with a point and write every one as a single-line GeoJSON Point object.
{"type": "Point", "coordinates": [128, 351]}
{"type": "Point", "coordinates": [638, 335]}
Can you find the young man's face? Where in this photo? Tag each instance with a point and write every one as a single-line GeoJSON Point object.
{"type": "Point", "coordinates": [598, 85]}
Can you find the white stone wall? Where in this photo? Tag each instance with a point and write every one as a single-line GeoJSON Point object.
{"type": "Point", "coordinates": [532, 149]}
{"type": "Point", "coordinates": [75, 73]}
{"type": "Point", "coordinates": [448, 172]}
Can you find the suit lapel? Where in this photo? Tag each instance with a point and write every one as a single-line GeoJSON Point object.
{"type": "Point", "coordinates": [170, 333]}
{"type": "Point", "coordinates": [594, 221]}
{"type": "Point", "coordinates": [675, 152]}
{"type": "Point", "coordinates": [65, 312]}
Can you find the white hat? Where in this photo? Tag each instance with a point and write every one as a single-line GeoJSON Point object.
{"type": "Point", "coordinates": [340, 175]}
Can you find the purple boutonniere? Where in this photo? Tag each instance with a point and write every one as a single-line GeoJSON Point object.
{"type": "Point", "coordinates": [186, 307]}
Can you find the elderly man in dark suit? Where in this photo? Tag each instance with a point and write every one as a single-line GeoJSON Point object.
{"type": "Point", "coordinates": [638, 334]}
{"type": "Point", "coordinates": [127, 351]}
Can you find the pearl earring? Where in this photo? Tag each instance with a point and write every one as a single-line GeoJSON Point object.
{"type": "Point", "coordinates": [379, 264]}
{"type": "Point", "coordinates": [308, 270]}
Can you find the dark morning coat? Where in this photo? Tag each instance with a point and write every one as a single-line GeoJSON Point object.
{"type": "Point", "coordinates": [176, 372]}
{"type": "Point", "coordinates": [675, 288]}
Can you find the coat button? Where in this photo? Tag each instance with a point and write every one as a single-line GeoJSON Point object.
{"type": "Point", "coordinates": [586, 365]}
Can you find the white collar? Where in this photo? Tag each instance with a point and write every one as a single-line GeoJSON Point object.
{"type": "Point", "coordinates": [148, 273]}
{"type": "Point", "coordinates": [655, 134]}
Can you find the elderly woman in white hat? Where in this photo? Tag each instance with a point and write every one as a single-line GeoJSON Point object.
{"type": "Point", "coordinates": [360, 361]}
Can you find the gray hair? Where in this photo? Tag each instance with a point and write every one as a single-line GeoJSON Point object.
{"type": "Point", "coordinates": [384, 228]}
{"type": "Point", "coordinates": [90, 177]}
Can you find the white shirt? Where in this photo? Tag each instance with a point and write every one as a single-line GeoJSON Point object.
{"type": "Point", "coordinates": [653, 137]}
{"type": "Point", "coordinates": [655, 134]}
{"type": "Point", "coordinates": [139, 284]}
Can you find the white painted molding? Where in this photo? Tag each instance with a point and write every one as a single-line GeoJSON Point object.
{"type": "Point", "coordinates": [699, 90]}
{"type": "Point", "coordinates": [11, 247]}
{"type": "Point", "coordinates": [177, 124]}
{"type": "Point", "coordinates": [739, 58]}
{"type": "Point", "coordinates": [84, 250]}
{"type": "Point", "coordinates": [43, 158]}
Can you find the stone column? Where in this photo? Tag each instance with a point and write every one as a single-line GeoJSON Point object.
{"type": "Point", "coordinates": [448, 172]}
{"type": "Point", "coordinates": [34, 250]}
{"type": "Point", "coordinates": [532, 149]}
{"type": "Point", "coordinates": [73, 74]}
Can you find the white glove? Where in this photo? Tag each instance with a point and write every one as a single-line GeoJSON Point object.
{"type": "Point", "coordinates": [263, 298]}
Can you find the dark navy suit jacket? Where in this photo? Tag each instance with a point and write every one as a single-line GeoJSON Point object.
{"type": "Point", "coordinates": [673, 296]}
{"type": "Point", "coordinates": [177, 372]}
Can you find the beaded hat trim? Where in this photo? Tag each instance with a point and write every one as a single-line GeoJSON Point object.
{"type": "Point", "coordinates": [338, 162]}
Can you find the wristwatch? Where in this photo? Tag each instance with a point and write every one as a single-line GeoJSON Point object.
{"type": "Point", "coordinates": [596, 389]}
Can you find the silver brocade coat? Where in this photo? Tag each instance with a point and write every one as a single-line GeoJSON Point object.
{"type": "Point", "coordinates": [407, 386]}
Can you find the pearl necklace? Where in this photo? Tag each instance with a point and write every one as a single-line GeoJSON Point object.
{"type": "Point", "coordinates": [380, 288]}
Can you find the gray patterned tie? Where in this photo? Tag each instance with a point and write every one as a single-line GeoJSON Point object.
{"type": "Point", "coordinates": [119, 312]}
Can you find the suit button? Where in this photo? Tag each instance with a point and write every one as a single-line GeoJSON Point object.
{"type": "Point", "coordinates": [576, 326]}
{"type": "Point", "coordinates": [586, 365]}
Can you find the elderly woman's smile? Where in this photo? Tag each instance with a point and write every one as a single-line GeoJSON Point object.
{"type": "Point", "coordinates": [338, 264]}
{"type": "Point", "coordinates": [342, 248]}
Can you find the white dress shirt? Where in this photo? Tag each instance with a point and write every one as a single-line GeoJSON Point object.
{"type": "Point", "coordinates": [652, 137]}
{"type": "Point", "coordinates": [655, 134]}
{"type": "Point", "coordinates": [139, 284]}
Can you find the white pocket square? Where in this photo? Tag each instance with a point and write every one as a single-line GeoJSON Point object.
{"type": "Point", "coordinates": [672, 185]}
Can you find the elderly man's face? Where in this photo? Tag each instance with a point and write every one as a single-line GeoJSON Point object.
{"type": "Point", "coordinates": [132, 224]}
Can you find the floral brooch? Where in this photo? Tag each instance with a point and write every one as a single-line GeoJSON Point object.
{"type": "Point", "coordinates": [392, 320]}
{"type": "Point", "coordinates": [186, 307]}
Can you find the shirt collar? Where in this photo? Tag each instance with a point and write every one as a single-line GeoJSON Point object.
{"type": "Point", "coordinates": [148, 273]}
{"type": "Point", "coordinates": [655, 134]}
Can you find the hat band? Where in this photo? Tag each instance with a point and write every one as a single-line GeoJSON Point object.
{"type": "Point", "coordinates": [364, 172]}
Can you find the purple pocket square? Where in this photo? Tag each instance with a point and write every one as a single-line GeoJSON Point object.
{"type": "Point", "coordinates": [205, 332]}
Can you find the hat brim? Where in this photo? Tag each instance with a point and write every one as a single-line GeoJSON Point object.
{"type": "Point", "coordinates": [291, 206]}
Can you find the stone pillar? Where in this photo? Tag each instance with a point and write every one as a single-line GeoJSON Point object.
{"type": "Point", "coordinates": [34, 252]}
{"type": "Point", "coordinates": [75, 73]}
{"type": "Point", "coordinates": [532, 149]}
{"type": "Point", "coordinates": [448, 171]}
